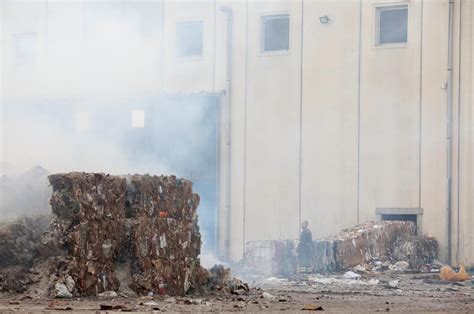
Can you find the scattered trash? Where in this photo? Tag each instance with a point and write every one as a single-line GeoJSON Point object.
{"type": "Point", "coordinates": [108, 294]}
{"type": "Point", "coordinates": [360, 268]}
{"type": "Point", "coordinates": [70, 284]}
{"type": "Point", "coordinates": [123, 295]}
{"type": "Point", "coordinates": [60, 308]}
{"type": "Point", "coordinates": [399, 266]}
{"type": "Point", "coordinates": [447, 273]}
{"type": "Point", "coordinates": [312, 307]}
{"type": "Point", "coordinates": [393, 283]}
{"type": "Point", "coordinates": [268, 296]}
{"type": "Point", "coordinates": [111, 307]}
{"type": "Point", "coordinates": [450, 288]}
{"type": "Point", "coordinates": [239, 305]}
{"type": "Point", "coordinates": [192, 301]}
{"type": "Point", "coordinates": [374, 281]}
{"type": "Point", "coordinates": [62, 291]}
{"type": "Point", "coordinates": [351, 275]}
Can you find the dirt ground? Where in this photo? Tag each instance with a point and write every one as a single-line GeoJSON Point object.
{"type": "Point", "coordinates": [381, 293]}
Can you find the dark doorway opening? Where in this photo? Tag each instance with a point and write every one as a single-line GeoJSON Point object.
{"type": "Point", "coordinates": [401, 217]}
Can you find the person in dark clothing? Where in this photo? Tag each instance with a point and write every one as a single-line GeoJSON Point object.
{"type": "Point", "coordinates": [305, 248]}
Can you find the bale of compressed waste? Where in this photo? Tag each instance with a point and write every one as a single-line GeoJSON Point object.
{"type": "Point", "coordinates": [88, 209]}
{"type": "Point", "coordinates": [161, 196]}
{"type": "Point", "coordinates": [105, 220]}
{"type": "Point", "coordinates": [166, 254]}
{"type": "Point", "coordinates": [416, 250]}
{"type": "Point", "coordinates": [271, 257]}
{"type": "Point", "coordinates": [361, 243]}
{"type": "Point", "coordinates": [325, 259]}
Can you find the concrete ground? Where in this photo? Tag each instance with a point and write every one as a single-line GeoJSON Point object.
{"type": "Point", "coordinates": [370, 293]}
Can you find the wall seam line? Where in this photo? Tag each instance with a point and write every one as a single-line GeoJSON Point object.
{"type": "Point", "coordinates": [245, 117]}
{"type": "Point", "coordinates": [301, 118]}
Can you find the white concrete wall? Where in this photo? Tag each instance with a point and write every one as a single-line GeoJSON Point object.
{"type": "Point", "coordinates": [330, 116]}
{"type": "Point", "coordinates": [272, 129]}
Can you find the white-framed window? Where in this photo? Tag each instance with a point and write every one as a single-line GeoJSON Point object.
{"type": "Point", "coordinates": [82, 120]}
{"type": "Point", "coordinates": [189, 38]}
{"type": "Point", "coordinates": [25, 48]}
{"type": "Point", "coordinates": [391, 25]}
{"type": "Point", "coordinates": [138, 119]}
{"type": "Point", "coordinates": [275, 33]}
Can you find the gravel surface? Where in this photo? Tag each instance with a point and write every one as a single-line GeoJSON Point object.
{"type": "Point", "coordinates": [370, 293]}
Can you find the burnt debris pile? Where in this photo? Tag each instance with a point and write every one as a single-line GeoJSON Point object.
{"type": "Point", "coordinates": [110, 233]}
{"type": "Point", "coordinates": [19, 248]}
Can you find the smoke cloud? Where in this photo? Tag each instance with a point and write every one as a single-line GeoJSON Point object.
{"type": "Point", "coordinates": [84, 92]}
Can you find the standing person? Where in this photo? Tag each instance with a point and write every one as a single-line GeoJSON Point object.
{"type": "Point", "coordinates": [305, 248]}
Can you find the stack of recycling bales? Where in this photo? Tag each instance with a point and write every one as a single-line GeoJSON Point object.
{"type": "Point", "coordinates": [150, 221]}
{"type": "Point", "coordinates": [390, 240]}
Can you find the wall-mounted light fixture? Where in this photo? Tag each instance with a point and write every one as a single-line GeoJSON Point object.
{"type": "Point", "coordinates": [324, 19]}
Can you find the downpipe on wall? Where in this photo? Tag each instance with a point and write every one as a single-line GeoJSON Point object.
{"type": "Point", "coordinates": [449, 126]}
{"type": "Point", "coordinates": [225, 232]}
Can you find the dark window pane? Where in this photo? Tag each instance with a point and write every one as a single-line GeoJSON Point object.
{"type": "Point", "coordinates": [276, 32]}
{"type": "Point", "coordinates": [393, 25]}
{"type": "Point", "coordinates": [189, 38]}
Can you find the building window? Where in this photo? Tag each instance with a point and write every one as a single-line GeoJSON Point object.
{"type": "Point", "coordinates": [274, 33]}
{"type": "Point", "coordinates": [82, 120]}
{"type": "Point", "coordinates": [25, 48]}
{"type": "Point", "coordinates": [138, 119]}
{"type": "Point", "coordinates": [391, 25]}
{"type": "Point", "coordinates": [189, 38]}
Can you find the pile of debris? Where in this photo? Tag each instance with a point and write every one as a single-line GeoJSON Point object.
{"type": "Point", "coordinates": [19, 247]}
{"type": "Point", "coordinates": [110, 233]}
{"type": "Point", "coordinates": [19, 243]}
{"type": "Point", "coordinates": [382, 243]}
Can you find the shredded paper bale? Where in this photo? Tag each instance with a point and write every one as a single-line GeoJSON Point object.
{"type": "Point", "coordinates": [417, 251]}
